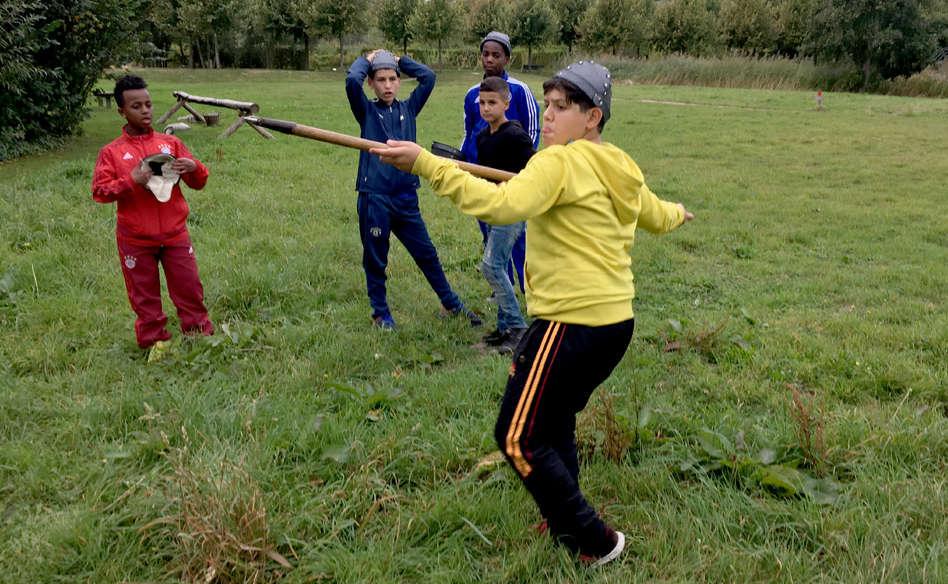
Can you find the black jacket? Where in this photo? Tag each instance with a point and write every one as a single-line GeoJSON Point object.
{"type": "Point", "coordinates": [509, 148]}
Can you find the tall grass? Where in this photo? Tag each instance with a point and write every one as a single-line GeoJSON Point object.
{"type": "Point", "coordinates": [767, 73]}
{"type": "Point", "coordinates": [301, 436]}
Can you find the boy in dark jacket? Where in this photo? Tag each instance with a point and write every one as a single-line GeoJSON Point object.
{"type": "Point", "coordinates": [495, 52]}
{"type": "Point", "coordinates": [503, 144]}
{"type": "Point", "coordinates": [388, 201]}
{"type": "Point", "coordinates": [151, 225]}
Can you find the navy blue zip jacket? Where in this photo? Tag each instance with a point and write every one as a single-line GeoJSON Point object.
{"type": "Point", "coordinates": [382, 122]}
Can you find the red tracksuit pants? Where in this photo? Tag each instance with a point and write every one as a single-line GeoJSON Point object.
{"type": "Point", "coordinates": [140, 269]}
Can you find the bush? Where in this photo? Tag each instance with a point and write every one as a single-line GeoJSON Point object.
{"type": "Point", "coordinates": [50, 57]}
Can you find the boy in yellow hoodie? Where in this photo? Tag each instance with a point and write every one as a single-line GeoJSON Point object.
{"type": "Point", "coordinates": [582, 199]}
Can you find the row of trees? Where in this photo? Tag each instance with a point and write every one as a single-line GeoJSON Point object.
{"type": "Point", "coordinates": [888, 38]}
{"type": "Point", "coordinates": [52, 51]}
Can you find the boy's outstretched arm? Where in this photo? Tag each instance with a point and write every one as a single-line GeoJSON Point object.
{"type": "Point", "coordinates": [531, 192]}
{"type": "Point", "coordinates": [659, 216]}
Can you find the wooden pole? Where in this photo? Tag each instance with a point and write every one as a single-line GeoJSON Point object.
{"type": "Point", "coordinates": [173, 109]}
{"type": "Point", "coordinates": [197, 116]}
{"type": "Point", "coordinates": [362, 144]}
{"type": "Point", "coordinates": [245, 107]}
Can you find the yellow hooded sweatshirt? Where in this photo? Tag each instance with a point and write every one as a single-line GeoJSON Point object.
{"type": "Point", "coordinates": [582, 203]}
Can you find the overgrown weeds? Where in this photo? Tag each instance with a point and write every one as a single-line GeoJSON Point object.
{"type": "Point", "coordinates": [807, 416]}
{"type": "Point", "coordinates": [216, 524]}
{"type": "Point", "coordinates": [710, 342]}
{"type": "Point", "coordinates": [603, 430]}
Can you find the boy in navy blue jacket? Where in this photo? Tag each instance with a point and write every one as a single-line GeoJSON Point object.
{"type": "Point", "coordinates": [388, 198]}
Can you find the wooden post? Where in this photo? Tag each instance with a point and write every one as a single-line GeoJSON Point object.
{"type": "Point", "coordinates": [243, 108]}
{"type": "Point", "coordinates": [198, 117]}
{"type": "Point", "coordinates": [233, 127]}
{"type": "Point", "coordinates": [173, 109]}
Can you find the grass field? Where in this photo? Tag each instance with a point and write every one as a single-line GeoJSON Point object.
{"type": "Point", "coordinates": [779, 416]}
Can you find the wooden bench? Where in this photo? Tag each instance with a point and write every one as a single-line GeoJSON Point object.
{"type": "Point", "coordinates": [243, 108]}
{"type": "Point", "coordinates": [103, 97]}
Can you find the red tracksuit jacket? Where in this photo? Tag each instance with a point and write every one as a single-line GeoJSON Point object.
{"type": "Point", "coordinates": [140, 216]}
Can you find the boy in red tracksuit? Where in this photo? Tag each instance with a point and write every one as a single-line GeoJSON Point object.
{"type": "Point", "coordinates": [149, 231]}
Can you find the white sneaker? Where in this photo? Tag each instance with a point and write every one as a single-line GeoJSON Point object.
{"type": "Point", "coordinates": [615, 553]}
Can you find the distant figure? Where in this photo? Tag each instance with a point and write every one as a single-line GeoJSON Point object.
{"type": "Point", "coordinates": [505, 145]}
{"type": "Point", "coordinates": [819, 100]}
{"type": "Point", "coordinates": [151, 225]}
{"type": "Point", "coordinates": [388, 197]}
{"type": "Point", "coordinates": [495, 56]}
{"type": "Point", "coordinates": [583, 200]}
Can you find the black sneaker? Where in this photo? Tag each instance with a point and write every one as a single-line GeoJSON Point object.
{"type": "Point", "coordinates": [495, 337]}
{"type": "Point", "coordinates": [509, 344]}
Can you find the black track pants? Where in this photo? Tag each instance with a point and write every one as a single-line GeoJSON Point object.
{"type": "Point", "coordinates": [555, 369]}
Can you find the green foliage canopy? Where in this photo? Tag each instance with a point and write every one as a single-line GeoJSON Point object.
{"type": "Point", "coordinates": [618, 26]}
{"type": "Point", "coordinates": [685, 26]}
{"type": "Point", "coordinates": [748, 25]}
{"type": "Point", "coordinates": [885, 39]}
{"type": "Point", "coordinates": [530, 24]}
{"type": "Point", "coordinates": [484, 16]}
{"type": "Point", "coordinates": [51, 54]}
{"type": "Point", "coordinates": [394, 20]}
{"type": "Point", "coordinates": [569, 16]}
{"type": "Point", "coordinates": [438, 20]}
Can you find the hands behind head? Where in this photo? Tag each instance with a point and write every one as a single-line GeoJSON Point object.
{"type": "Point", "coordinates": [400, 154]}
{"type": "Point", "coordinates": [688, 214]}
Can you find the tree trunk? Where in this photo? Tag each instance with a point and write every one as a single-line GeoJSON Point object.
{"type": "Point", "coordinates": [306, 51]}
{"type": "Point", "coordinates": [342, 62]}
{"type": "Point", "coordinates": [200, 57]}
{"type": "Point", "coordinates": [529, 56]}
{"type": "Point", "coordinates": [217, 53]}
{"type": "Point", "coordinates": [440, 58]}
{"type": "Point", "coordinates": [866, 70]}
{"type": "Point", "coordinates": [405, 46]}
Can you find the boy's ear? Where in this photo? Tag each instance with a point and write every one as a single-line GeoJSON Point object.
{"type": "Point", "coordinates": [593, 117]}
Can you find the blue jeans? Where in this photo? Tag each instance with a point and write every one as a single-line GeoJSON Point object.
{"type": "Point", "coordinates": [500, 242]}
{"type": "Point", "coordinates": [517, 256]}
{"type": "Point", "coordinates": [381, 215]}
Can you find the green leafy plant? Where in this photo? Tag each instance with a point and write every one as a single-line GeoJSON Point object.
{"type": "Point", "coordinates": [776, 470]}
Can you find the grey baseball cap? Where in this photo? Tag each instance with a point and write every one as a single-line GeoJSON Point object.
{"type": "Point", "coordinates": [384, 60]}
{"type": "Point", "coordinates": [499, 38]}
{"type": "Point", "coordinates": [593, 80]}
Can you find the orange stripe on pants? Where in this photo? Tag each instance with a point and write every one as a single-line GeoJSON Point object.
{"type": "Point", "coordinates": [526, 398]}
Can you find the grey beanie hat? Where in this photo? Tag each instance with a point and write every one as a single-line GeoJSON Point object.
{"type": "Point", "coordinates": [384, 60]}
{"type": "Point", "coordinates": [593, 80]}
{"type": "Point", "coordinates": [499, 38]}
